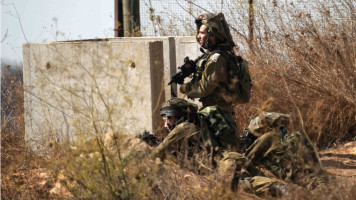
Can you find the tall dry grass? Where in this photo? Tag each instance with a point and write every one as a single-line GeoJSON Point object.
{"type": "Point", "coordinates": [12, 114]}
{"type": "Point", "coordinates": [13, 155]}
{"type": "Point", "coordinates": [303, 62]}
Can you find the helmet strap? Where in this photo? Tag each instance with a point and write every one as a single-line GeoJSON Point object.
{"type": "Point", "coordinates": [171, 127]}
{"type": "Point", "coordinates": [208, 44]}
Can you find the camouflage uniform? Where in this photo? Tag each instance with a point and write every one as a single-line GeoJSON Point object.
{"type": "Point", "coordinates": [289, 156]}
{"type": "Point", "coordinates": [211, 81]}
{"type": "Point", "coordinates": [210, 87]}
{"type": "Point", "coordinates": [252, 179]}
{"type": "Point", "coordinates": [183, 140]}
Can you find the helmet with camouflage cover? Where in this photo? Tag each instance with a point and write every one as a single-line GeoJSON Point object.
{"type": "Point", "coordinates": [267, 121]}
{"type": "Point", "coordinates": [178, 107]}
{"type": "Point", "coordinates": [217, 25]}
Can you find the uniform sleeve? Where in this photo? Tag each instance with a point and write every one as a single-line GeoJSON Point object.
{"type": "Point", "coordinates": [175, 135]}
{"type": "Point", "coordinates": [214, 72]}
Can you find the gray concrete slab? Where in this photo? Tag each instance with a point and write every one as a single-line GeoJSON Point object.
{"type": "Point", "coordinates": [86, 87]}
{"type": "Point", "coordinates": [97, 85]}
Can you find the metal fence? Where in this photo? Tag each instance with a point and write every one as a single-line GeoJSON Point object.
{"type": "Point", "coordinates": [173, 17]}
{"type": "Point", "coordinates": [176, 17]}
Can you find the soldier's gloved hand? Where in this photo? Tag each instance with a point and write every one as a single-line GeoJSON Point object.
{"type": "Point", "coordinates": [182, 88]}
{"type": "Point", "coordinates": [150, 138]}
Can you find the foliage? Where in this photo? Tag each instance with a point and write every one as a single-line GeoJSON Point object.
{"type": "Point", "coordinates": [303, 58]}
{"type": "Point", "coordinates": [302, 61]}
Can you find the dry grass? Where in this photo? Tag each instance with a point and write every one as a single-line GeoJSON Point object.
{"type": "Point", "coordinates": [302, 64]}
{"type": "Point", "coordinates": [12, 113]}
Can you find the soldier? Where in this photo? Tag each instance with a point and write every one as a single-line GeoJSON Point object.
{"type": "Point", "coordinates": [290, 156]}
{"type": "Point", "coordinates": [183, 139]}
{"type": "Point", "coordinates": [183, 144]}
{"type": "Point", "coordinates": [214, 83]}
{"type": "Point", "coordinates": [210, 82]}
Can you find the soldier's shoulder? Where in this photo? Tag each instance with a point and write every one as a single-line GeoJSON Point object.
{"type": "Point", "coordinates": [217, 57]}
{"type": "Point", "coordinates": [187, 126]}
{"type": "Point", "coordinates": [270, 136]}
{"type": "Point", "coordinates": [214, 57]}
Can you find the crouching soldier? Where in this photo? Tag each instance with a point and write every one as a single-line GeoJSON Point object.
{"type": "Point", "coordinates": [289, 156]}
{"type": "Point", "coordinates": [193, 133]}
{"type": "Point", "coordinates": [183, 140]}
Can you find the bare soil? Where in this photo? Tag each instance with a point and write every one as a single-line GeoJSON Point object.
{"type": "Point", "coordinates": [341, 161]}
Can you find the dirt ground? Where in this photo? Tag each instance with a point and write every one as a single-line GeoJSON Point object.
{"type": "Point", "coordinates": [341, 161]}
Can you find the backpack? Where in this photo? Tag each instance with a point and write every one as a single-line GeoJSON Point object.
{"type": "Point", "coordinates": [239, 80]}
{"type": "Point", "coordinates": [218, 128]}
{"type": "Point", "coordinates": [268, 121]}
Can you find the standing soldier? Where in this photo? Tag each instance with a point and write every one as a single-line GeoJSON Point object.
{"type": "Point", "coordinates": [210, 82]}
{"type": "Point", "coordinates": [221, 79]}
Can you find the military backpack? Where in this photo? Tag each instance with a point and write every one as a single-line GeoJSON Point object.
{"type": "Point", "coordinates": [239, 80]}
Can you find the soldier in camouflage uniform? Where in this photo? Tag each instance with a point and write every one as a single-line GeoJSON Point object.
{"type": "Point", "coordinates": [183, 139]}
{"type": "Point", "coordinates": [211, 82]}
{"type": "Point", "coordinates": [289, 156]}
{"type": "Point", "coordinates": [251, 179]}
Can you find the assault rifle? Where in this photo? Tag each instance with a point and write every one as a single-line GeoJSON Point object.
{"type": "Point", "coordinates": [186, 69]}
{"type": "Point", "coordinates": [150, 138]}
{"type": "Point", "coordinates": [247, 140]}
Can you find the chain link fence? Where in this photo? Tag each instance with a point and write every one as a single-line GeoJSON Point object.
{"type": "Point", "coordinates": [173, 17]}
{"type": "Point", "coordinates": [176, 17]}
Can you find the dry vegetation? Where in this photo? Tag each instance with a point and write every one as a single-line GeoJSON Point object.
{"type": "Point", "coordinates": [302, 63]}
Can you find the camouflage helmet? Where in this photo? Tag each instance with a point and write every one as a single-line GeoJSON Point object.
{"type": "Point", "coordinates": [267, 121]}
{"type": "Point", "coordinates": [217, 24]}
{"type": "Point", "coordinates": [178, 107]}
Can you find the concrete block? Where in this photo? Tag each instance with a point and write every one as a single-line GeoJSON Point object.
{"type": "Point", "coordinates": [169, 57]}
{"type": "Point", "coordinates": [175, 49]}
{"type": "Point", "coordinates": [94, 86]}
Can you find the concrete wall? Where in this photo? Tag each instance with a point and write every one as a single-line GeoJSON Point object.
{"type": "Point", "coordinates": [169, 56]}
{"type": "Point", "coordinates": [88, 86]}
{"type": "Point", "coordinates": [175, 49]}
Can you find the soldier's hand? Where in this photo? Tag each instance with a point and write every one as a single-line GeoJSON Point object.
{"type": "Point", "coordinates": [182, 89]}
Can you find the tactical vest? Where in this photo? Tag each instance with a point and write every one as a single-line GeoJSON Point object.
{"type": "Point", "coordinates": [201, 66]}
{"type": "Point", "coordinates": [239, 84]}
